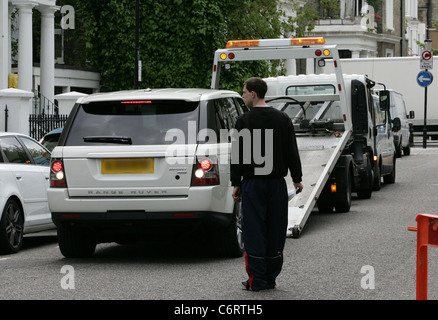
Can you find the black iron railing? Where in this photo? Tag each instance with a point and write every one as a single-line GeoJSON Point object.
{"type": "Point", "coordinates": [40, 124]}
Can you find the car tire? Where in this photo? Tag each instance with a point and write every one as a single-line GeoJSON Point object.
{"type": "Point", "coordinates": [390, 178]}
{"type": "Point", "coordinates": [11, 228]}
{"type": "Point", "coordinates": [377, 178]}
{"type": "Point", "coordinates": [366, 189]}
{"type": "Point", "coordinates": [398, 150]}
{"type": "Point", "coordinates": [407, 150]}
{"type": "Point", "coordinates": [229, 241]}
{"type": "Point", "coordinates": [76, 242]}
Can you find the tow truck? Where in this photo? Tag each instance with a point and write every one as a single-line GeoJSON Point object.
{"type": "Point", "coordinates": [332, 119]}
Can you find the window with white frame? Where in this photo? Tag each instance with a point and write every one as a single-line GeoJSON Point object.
{"type": "Point", "coordinates": [411, 9]}
{"type": "Point", "coordinates": [389, 8]}
{"type": "Point", "coordinates": [389, 52]}
{"type": "Point", "coordinates": [358, 7]}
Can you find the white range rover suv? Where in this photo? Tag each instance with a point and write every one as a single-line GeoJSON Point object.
{"type": "Point", "coordinates": [136, 164]}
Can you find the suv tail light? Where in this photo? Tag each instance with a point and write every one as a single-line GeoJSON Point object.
{"type": "Point", "coordinates": [205, 172]}
{"type": "Point", "coordinates": [57, 175]}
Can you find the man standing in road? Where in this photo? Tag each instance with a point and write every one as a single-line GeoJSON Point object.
{"type": "Point", "coordinates": [263, 193]}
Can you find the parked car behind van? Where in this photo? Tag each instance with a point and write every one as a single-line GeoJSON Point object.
{"type": "Point", "coordinates": [50, 140]}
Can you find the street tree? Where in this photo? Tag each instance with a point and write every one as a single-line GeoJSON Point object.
{"type": "Point", "coordinates": [177, 39]}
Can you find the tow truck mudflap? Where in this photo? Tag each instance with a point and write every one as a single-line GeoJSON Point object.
{"type": "Point", "coordinates": [339, 177]}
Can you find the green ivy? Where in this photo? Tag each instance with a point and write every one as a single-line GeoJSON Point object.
{"type": "Point", "coordinates": [177, 39]}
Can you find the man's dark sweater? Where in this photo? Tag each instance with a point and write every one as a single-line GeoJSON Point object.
{"type": "Point", "coordinates": [284, 148]}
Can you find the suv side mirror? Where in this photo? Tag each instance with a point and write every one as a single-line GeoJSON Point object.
{"type": "Point", "coordinates": [411, 114]}
{"type": "Point", "coordinates": [396, 124]}
{"type": "Point", "coordinates": [384, 100]}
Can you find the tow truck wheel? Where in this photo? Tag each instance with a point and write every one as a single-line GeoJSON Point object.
{"type": "Point", "coordinates": [345, 203]}
{"type": "Point", "coordinates": [325, 206]}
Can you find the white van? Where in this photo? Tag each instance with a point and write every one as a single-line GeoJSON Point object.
{"type": "Point", "coordinates": [402, 137]}
{"type": "Point", "coordinates": [384, 152]}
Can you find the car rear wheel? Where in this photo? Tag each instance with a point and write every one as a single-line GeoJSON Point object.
{"type": "Point", "coordinates": [76, 242]}
{"type": "Point", "coordinates": [11, 228]}
{"type": "Point", "coordinates": [229, 241]}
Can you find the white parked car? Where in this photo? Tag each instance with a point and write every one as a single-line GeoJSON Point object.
{"type": "Point", "coordinates": [50, 140]}
{"type": "Point", "coordinates": [136, 164]}
{"type": "Point", "coordinates": [24, 179]}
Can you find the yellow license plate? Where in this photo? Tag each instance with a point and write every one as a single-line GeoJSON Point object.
{"type": "Point", "coordinates": [127, 165]}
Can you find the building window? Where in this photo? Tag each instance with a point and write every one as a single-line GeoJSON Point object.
{"type": "Point", "coordinates": [389, 53]}
{"type": "Point", "coordinates": [358, 7]}
{"type": "Point", "coordinates": [411, 9]}
{"type": "Point", "coordinates": [389, 8]}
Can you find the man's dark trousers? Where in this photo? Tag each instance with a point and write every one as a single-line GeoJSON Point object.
{"type": "Point", "coordinates": [264, 225]}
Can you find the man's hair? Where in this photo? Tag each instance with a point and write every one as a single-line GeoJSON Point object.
{"type": "Point", "coordinates": [257, 85]}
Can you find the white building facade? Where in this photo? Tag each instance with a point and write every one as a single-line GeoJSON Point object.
{"type": "Point", "coordinates": [28, 88]}
{"type": "Point", "coordinates": [391, 30]}
{"type": "Point", "coordinates": [44, 77]}
{"type": "Point", "coordinates": [25, 44]}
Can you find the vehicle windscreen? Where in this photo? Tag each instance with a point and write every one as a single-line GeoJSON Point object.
{"type": "Point", "coordinates": [314, 110]}
{"type": "Point", "coordinates": [131, 122]}
{"type": "Point", "coordinates": [312, 107]}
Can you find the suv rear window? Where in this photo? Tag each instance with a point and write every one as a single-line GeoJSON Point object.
{"type": "Point", "coordinates": [130, 122]}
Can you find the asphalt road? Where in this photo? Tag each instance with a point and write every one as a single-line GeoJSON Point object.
{"type": "Point", "coordinates": [367, 253]}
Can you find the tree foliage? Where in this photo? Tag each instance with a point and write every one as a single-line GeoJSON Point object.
{"type": "Point", "coordinates": [177, 39]}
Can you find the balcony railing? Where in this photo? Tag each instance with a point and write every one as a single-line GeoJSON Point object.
{"type": "Point", "coordinates": [333, 21]}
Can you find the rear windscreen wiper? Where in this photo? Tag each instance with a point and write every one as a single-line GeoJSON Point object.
{"type": "Point", "coordinates": [110, 139]}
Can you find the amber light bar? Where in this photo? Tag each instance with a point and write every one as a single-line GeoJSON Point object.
{"type": "Point", "coordinates": [275, 42]}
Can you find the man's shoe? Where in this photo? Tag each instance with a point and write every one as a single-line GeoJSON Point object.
{"type": "Point", "coordinates": [270, 285]}
{"type": "Point", "coordinates": [246, 286]}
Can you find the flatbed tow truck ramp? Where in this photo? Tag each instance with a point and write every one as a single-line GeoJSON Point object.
{"type": "Point", "coordinates": [318, 157]}
{"type": "Point", "coordinates": [322, 118]}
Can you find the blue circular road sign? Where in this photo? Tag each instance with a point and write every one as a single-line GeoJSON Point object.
{"type": "Point", "coordinates": [424, 78]}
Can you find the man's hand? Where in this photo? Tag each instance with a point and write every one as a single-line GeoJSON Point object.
{"type": "Point", "coordinates": [298, 187]}
{"type": "Point", "coordinates": [236, 194]}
